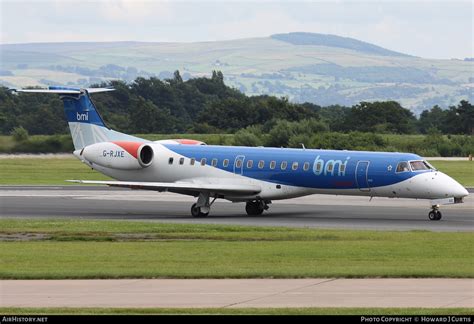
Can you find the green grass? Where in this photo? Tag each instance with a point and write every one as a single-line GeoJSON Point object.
{"type": "Point", "coordinates": [7, 143]}
{"type": "Point", "coordinates": [236, 311]}
{"type": "Point", "coordinates": [53, 171]}
{"type": "Point", "coordinates": [45, 171]}
{"type": "Point", "coordinates": [127, 249]}
{"type": "Point", "coordinates": [462, 171]}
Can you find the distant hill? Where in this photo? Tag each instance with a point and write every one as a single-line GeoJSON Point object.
{"type": "Point", "coordinates": [334, 41]}
{"type": "Point", "coordinates": [323, 69]}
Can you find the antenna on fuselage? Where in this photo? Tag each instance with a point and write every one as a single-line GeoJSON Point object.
{"type": "Point", "coordinates": [302, 145]}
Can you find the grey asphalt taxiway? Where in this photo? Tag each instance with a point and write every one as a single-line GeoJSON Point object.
{"type": "Point", "coordinates": [316, 211]}
{"type": "Point", "coordinates": [239, 293]}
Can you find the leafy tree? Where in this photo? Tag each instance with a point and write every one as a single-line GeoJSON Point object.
{"type": "Point", "coordinates": [335, 117]}
{"type": "Point", "coordinates": [157, 120]}
{"type": "Point", "coordinates": [465, 111]}
{"type": "Point", "coordinates": [177, 77]}
{"type": "Point", "coordinates": [388, 116]}
{"type": "Point", "coordinates": [434, 118]}
{"type": "Point", "coordinates": [208, 105]}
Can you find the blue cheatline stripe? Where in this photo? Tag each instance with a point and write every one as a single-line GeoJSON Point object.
{"type": "Point", "coordinates": [381, 166]}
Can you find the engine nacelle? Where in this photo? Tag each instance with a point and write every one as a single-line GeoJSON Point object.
{"type": "Point", "coordinates": [119, 155]}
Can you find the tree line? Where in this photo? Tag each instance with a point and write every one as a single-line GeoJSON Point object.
{"type": "Point", "coordinates": [207, 105]}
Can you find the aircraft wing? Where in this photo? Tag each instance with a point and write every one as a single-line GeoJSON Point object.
{"type": "Point", "coordinates": [239, 189]}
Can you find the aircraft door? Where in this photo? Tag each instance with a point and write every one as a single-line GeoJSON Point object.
{"type": "Point", "coordinates": [239, 164]}
{"type": "Point", "coordinates": [362, 169]}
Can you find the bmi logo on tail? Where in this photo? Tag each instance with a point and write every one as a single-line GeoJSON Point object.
{"type": "Point", "coordinates": [82, 116]}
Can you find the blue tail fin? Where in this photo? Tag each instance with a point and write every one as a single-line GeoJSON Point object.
{"type": "Point", "coordinates": [80, 108]}
{"type": "Point", "coordinates": [85, 123]}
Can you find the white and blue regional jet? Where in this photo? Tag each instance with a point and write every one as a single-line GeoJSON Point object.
{"type": "Point", "coordinates": [254, 175]}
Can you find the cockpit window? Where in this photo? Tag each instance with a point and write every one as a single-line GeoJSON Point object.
{"type": "Point", "coordinates": [403, 167]}
{"type": "Point", "coordinates": [420, 165]}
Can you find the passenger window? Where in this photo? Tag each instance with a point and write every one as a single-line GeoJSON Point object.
{"type": "Point", "coordinates": [294, 166]}
{"type": "Point", "coordinates": [203, 161]}
{"type": "Point", "coordinates": [192, 161]}
{"type": "Point", "coordinates": [403, 167]}
{"type": "Point", "coordinates": [283, 165]}
{"type": "Point", "coordinates": [329, 166]}
{"type": "Point", "coordinates": [249, 164]}
{"type": "Point", "coordinates": [306, 166]}
{"type": "Point", "coordinates": [181, 161]}
{"type": "Point", "coordinates": [225, 163]}
{"type": "Point", "coordinates": [170, 160]}
{"type": "Point", "coordinates": [238, 164]}
{"type": "Point", "coordinates": [214, 162]}
{"type": "Point", "coordinates": [319, 165]}
{"type": "Point", "coordinates": [273, 165]}
{"type": "Point", "coordinates": [342, 167]}
{"type": "Point", "coordinates": [261, 164]}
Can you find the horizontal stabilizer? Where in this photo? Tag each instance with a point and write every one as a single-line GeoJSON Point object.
{"type": "Point", "coordinates": [163, 186]}
{"type": "Point", "coordinates": [64, 90]}
{"type": "Point", "coordinates": [97, 90]}
{"type": "Point", "coordinates": [47, 91]}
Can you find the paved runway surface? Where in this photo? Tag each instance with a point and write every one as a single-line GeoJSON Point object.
{"type": "Point", "coordinates": [238, 293]}
{"type": "Point", "coordinates": [318, 211]}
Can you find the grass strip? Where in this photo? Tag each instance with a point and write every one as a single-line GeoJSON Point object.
{"type": "Point", "coordinates": [96, 249]}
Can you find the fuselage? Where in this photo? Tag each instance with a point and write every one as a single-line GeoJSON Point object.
{"type": "Point", "coordinates": [284, 173]}
{"type": "Point", "coordinates": [255, 175]}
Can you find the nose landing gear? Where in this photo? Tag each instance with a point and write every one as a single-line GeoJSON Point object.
{"type": "Point", "coordinates": [435, 214]}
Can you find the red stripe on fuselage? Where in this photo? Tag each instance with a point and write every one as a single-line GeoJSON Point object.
{"type": "Point", "coordinates": [188, 141]}
{"type": "Point", "coordinates": [130, 147]}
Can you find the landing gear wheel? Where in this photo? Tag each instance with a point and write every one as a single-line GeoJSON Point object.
{"type": "Point", "coordinates": [196, 211]}
{"type": "Point", "coordinates": [254, 208]}
{"type": "Point", "coordinates": [432, 215]}
{"type": "Point", "coordinates": [435, 215]}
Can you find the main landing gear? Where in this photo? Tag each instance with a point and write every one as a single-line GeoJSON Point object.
{"type": "Point", "coordinates": [203, 205]}
{"type": "Point", "coordinates": [197, 211]}
{"type": "Point", "coordinates": [435, 214]}
{"type": "Point", "coordinates": [255, 208]}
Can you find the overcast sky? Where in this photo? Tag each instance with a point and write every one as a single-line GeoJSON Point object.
{"type": "Point", "coordinates": [434, 29]}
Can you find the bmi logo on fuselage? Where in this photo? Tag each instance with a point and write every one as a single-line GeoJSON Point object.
{"type": "Point", "coordinates": [330, 167]}
{"type": "Point", "coordinates": [82, 116]}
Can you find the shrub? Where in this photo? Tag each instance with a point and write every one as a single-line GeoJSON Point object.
{"type": "Point", "coordinates": [19, 134]}
{"type": "Point", "coordinates": [246, 138]}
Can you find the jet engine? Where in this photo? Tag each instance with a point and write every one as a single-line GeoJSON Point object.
{"type": "Point", "coordinates": [119, 155]}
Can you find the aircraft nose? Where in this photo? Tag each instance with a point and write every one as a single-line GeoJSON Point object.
{"type": "Point", "coordinates": [463, 192]}
{"type": "Point", "coordinates": [452, 187]}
